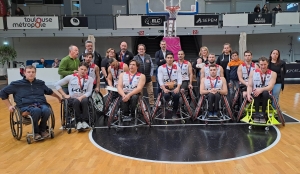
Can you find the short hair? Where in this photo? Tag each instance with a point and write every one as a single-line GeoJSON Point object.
{"type": "Point", "coordinates": [71, 47]}
{"type": "Point", "coordinates": [111, 60]}
{"type": "Point", "coordinates": [235, 52]}
{"type": "Point", "coordinates": [136, 62]}
{"type": "Point", "coordinates": [170, 53]}
{"type": "Point", "coordinates": [181, 51]}
{"type": "Point", "coordinates": [262, 59]}
{"type": "Point", "coordinates": [162, 41]}
{"type": "Point", "coordinates": [212, 66]}
{"type": "Point", "coordinates": [88, 54]}
{"type": "Point", "coordinates": [88, 41]}
{"type": "Point", "coordinates": [247, 51]}
{"type": "Point", "coordinates": [42, 58]}
{"type": "Point", "coordinates": [108, 50]}
{"type": "Point", "coordinates": [213, 54]}
{"type": "Point", "coordinates": [84, 64]}
{"type": "Point", "coordinates": [30, 67]}
{"type": "Point", "coordinates": [142, 46]}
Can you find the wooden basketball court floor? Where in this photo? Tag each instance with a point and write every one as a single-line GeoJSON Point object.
{"type": "Point", "coordinates": [74, 153]}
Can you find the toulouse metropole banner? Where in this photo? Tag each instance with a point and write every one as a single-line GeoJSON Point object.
{"type": "Point", "coordinates": [33, 22]}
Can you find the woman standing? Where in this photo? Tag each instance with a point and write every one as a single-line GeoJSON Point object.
{"type": "Point", "coordinates": [225, 57]}
{"type": "Point", "coordinates": [278, 66]}
{"type": "Point", "coordinates": [110, 53]}
{"type": "Point", "coordinates": [201, 61]}
{"type": "Point", "coordinates": [265, 9]}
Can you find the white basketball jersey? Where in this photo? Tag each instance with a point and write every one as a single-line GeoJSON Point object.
{"type": "Point", "coordinates": [130, 82]}
{"type": "Point", "coordinates": [213, 83]}
{"type": "Point", "coordinates": [261, 80]}
{"type": "Point", "coordinates": [184, 69]}
{"type": "Point", "coordinates": [116, 73]}
{"type": "Point", "coordinates": [246, 71]}
{"type": "Point", "coordinates": [92, 72]}
{"type": "Point", "coordinates": [170, 74]}
{"type": "Point", "coordinates": [78, 86]}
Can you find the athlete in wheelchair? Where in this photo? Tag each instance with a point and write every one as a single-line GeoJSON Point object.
{"type": "Point", "coordinates": [31, 106]}
{"type": "Point", "coordinates": [130, 105]}
{"type": "Point", "coordinates": [114, 71]}
{"type": "Point", "coordinates": [213, 104]}
{"type": "Point", "coordinates": [77, 105]}
{"type": "Point", "coordinates": [168, 106]}
{"type": "Point", "coordinates": [261, 82]}
{"type": "Point", "coordinates": [243, 75]}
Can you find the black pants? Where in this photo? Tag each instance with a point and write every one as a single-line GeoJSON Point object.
{"type": "Point", "coordinates": [213, 102]}
{"type": "Point", "coordinates": [167, 97]}
{"type": "Point", "coordinates": [263, 97]}
{"type": "Point", "coordinates": [132, 103]}
{"type": "Point", "coordinates": [185, 84]}
{"type": "Point", "coordinates": [81, 108]}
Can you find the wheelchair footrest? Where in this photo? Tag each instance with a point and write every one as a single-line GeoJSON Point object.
{"type": "Point", "coordinates": [126, 118]}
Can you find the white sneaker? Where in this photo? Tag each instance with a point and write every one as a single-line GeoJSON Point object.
{"type": "Point", "coordinates": [79, 126]}
{"type": "Point", "coordinates": [85, 125]}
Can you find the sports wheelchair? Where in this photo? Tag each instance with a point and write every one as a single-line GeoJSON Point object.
{"type": "Point", "coordinates": [186, 106]}
{"type": "Point", "coordinates": [224, 113]}
{"type": "Point", "coordinates": [18, 120]}
{"type": "Point", "coordinates": [67, 115]}
{"type": "Point", "coordinates": [238, 100]}
{"type": "Point", "coordinates": [247, 109]}
{"type": "Point", "coordinates": [118, 120]}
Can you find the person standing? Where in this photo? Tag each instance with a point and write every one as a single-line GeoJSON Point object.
{"type": "Point", "coordinates": [110, 53]}
{"type": "Point", "coordinates": [279, 66]}
{"type": "Point", "coordinates": [277, 9]}
{"type": "Point", "coordinates": [146, 68]}
{"type": "Point", "coordinates": [124, 55]}
{"type": "Point", "coordinates": [201, 62]}
{"type": "Point", "coordinates": [186, 71]}
{"type": "Point", "coordinates": [265, 9]}
{"type": "Point", "coordinates": [93, 71]}
{"type": "Point", "coordinates": [90, 49]}
{"type": "Point", "coordinates": [225, 57]}
{"type": "Point", "coordinates": [42, 62]}
{"type": "Point", "coordinates": [257, 9]}
{"type": "Point", "coordinates": [69, 65]}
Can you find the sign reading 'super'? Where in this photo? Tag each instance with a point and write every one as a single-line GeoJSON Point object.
{"type": "Point", "coordinates": [33, 22]}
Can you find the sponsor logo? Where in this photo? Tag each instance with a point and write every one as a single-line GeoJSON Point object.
{"type": "Point", "coordinates": [33, 22]}
{"type": "Point", "coordinates": [292, 70]}
{"type": "Point", "coordinates": [153, 21]}
{"type": "Point", "coordinates": [75, 21]}
{"type": "Point", "coordinates": [201, 20]}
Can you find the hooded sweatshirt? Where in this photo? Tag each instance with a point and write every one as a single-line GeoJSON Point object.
{"type": "Point", "coordinates": [231, 70]}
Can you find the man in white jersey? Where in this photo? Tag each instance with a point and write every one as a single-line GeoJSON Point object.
{"type": "Point", "coordinates": [211, 60]}
{"type": "Point", "coordinates": [261, 81]}
{"type": "Point", "coordinates": [80, 87]}
{"type": "Point", "coordinates": [244, 70]}
{"type": "Point", "coordinates": [130, 85]}
{"type": "Point", "coordinates": [213, 86]}
{"type": "Point", "coordinates": [186, 71]}
{"type": "Point", "coordinates": [93, 70]}
{"type": "Point", "coordinates": [114, 71]}
{"type": "Point", "coordinates": [170, 80]}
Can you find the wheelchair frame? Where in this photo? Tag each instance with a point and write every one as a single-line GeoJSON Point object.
{"type": "Point", "coordinates": [203, 108]}
{"type": "Point", "coordinates": [67, 115]}
{"type": "Point", "coordinates": [142, 108]}
{"type": "Point", "coordinates": [16, 119]}
{"type": "Point", "coordinates": [161, 104]}
{"type": "Point", "coordinates": [237, 102]}
{"type": "Point", "coordinates": [270, 114]}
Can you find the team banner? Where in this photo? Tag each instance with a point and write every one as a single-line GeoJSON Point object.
{"type": "Point", "coordinates": [75, 22]}
{"type": "Point", "coordinates": [33, 22]}
{"type": "Point", "coordinates": [260, 18]}
{"type": "Point", "coordinates": [152, 21]}
{"type": "Point", "coordinates": [202, 20]}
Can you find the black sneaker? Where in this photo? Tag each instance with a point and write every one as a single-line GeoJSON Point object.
{"type": "Point", "coordinates": [256, 117]}
{"type": "Point", "coordinates": [262, 118]}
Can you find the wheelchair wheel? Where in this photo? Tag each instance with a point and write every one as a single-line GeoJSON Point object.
{"type": "Point", "coordinates": [186, 104]}
{"type": "Point", "coordinates": [242, 110]}
{"type": "Point", "coordinates": [92, 114]}
{"type": "Point", "coordinates": [145, 111]}
{"type": "Point", "coordinates": [107, 102]}
{"type": "Point", "coordinates": [235, 98]}
{"type": "Point", "coordinates": [63, 112]}
{"type": "Point", "coordinates": [227, 108]}
{"type": "Point", "coordinates": [280, 116]}
{"type": "Point", "coordinates": [193, 101]}
{"type": "Point", "coordinates": [112, 113]}
{"type": "Point", "coordinates": [198, 108]}
{"type": "Point", "coordinates": [52, 117]}
{"type": "Point", "coordinates": [16, 126]}
{"type": "Point", "coordinates": [157, 104]}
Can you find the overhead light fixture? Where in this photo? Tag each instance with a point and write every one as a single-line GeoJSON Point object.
{"type": "Point", "coordinates": [5, 43]}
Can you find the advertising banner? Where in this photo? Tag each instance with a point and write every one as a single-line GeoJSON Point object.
{"type": "Point", "coordinates": [152, 21]}
{"type": "Point", "coordinates": [75, 22]}
{"type": "Point", "coordinates": [260, 18]}
{"type": "Point", "coordinates": [33, 22]}
{"type": "Point", "coordinates": [202, 20]}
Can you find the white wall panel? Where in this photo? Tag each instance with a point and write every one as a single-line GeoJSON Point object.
{"type": "Point", "coordinates": [185, 21]}
{"type": "Point", "coordinates": [129, 22]}
{"type": "Point", "coordinates": [217, 7]}
{"type": "Point", "coordinates": [247, 6]}
{"type": "Point", "coordinates": [235, 20]}
{"type": "Point", "coordinates": [287, 18]}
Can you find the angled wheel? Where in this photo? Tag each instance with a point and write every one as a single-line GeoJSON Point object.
{"type": "Point", "coordinates": [108, 101]}
{"type": "Point", "coordinates": [193, 98]}
{"type": "Point", "coordinates": [112, 113]}
{"type": "Point", "coordinates": [145, 111]}
{"type": "Point", "coordinates": [64, 112]}
{"type": "Point", "coordinates": [92, 113]}
{"type": "Point", "coordinates": [16, 125]}
{"type": "Point", "coordinates": [157, 104]}
{"type": "Point", "coordinates": [280, 115]}
{"type": "Point", "coordinates": [198, 108]}
{"type": "Point", "coordinates": [28, 140]}
{"type": "Point", "coordinates": [228, 108]}
{"type": "Point", "coordinates": [241, 111]}
{"type": "Point", "coordinates": [236, 95]}
{"type": "Point", "coordinates": [186, 104]}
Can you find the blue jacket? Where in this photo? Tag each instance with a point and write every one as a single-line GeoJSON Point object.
{"type": "Point", "coordinates": [26, 93]}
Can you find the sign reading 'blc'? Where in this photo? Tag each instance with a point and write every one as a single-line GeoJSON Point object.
{"type": "Point", "coordinates": [33, 22]}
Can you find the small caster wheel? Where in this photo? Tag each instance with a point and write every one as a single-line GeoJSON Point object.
{"type": "Point", "coordinates": [266, 128]}
{"type": "Point", "coordinates": [165, 122]}
{"type": "Point", "coordinates": [182, 121]}
{"type": "Point", "coordinates": [69, 131]}
{"type": "Point", "coordinates": [28, 140]}
{"type": "Point", "coordinates": [250, 127]}
{"type": "Point", "coordinates": [136, 129]}
{"type": "Point", "coordinates": [51, 134]}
